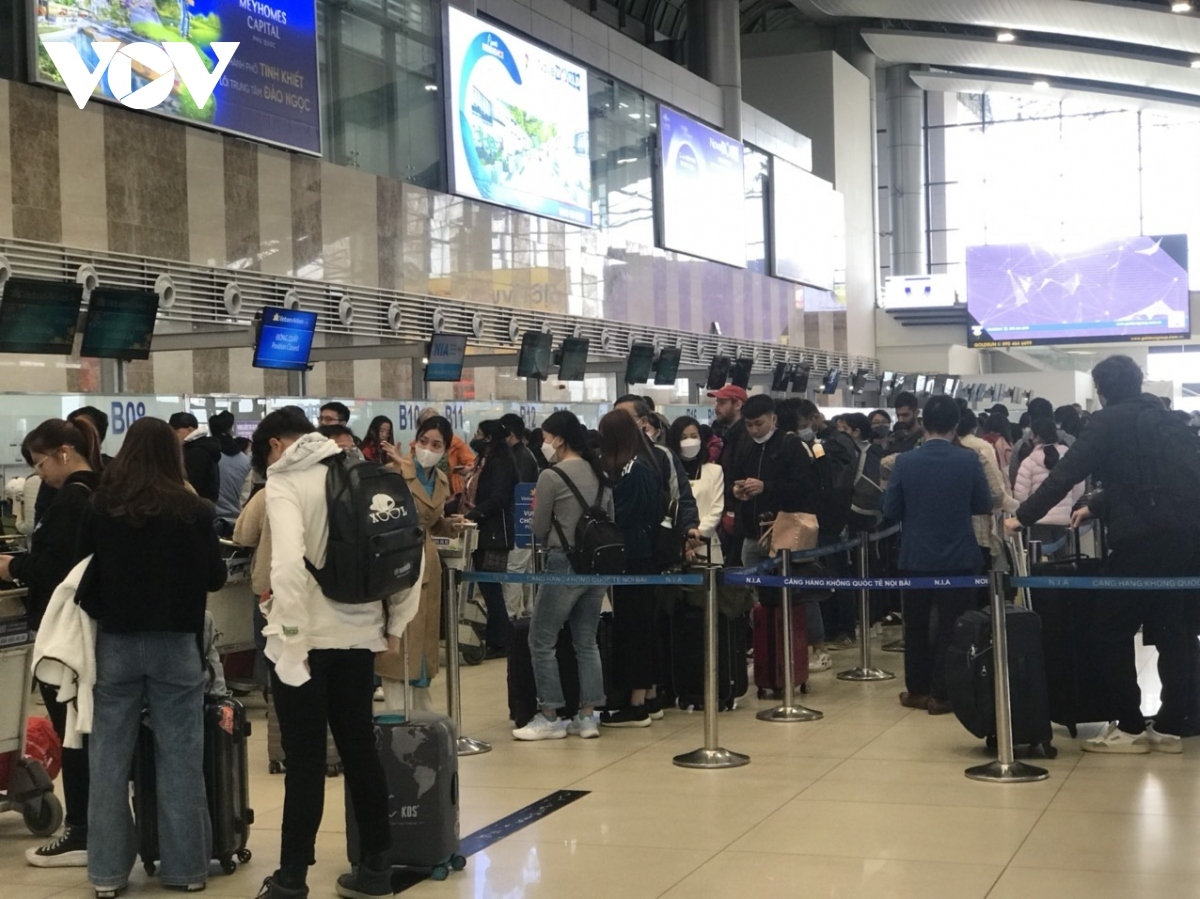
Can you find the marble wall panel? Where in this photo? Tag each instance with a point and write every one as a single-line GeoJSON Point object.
{"type": "Point", "coordinates": [34, 154]}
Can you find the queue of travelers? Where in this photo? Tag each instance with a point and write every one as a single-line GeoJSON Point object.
{"type": "Point", "coordinates": [678, 493]}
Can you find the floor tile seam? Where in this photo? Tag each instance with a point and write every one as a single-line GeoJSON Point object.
{"type": "Point", "coordinates": [690, 873]}
{"type": "Point", "coordinates": [967, 805]}
{"type": "Point", "coordinates": [1012, 858]}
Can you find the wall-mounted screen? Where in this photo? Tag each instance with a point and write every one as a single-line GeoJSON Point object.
{"type": "Point", "coordinates": [829, 384]}
{"type": "Point", "coordinates": [242, 66]}
{"type": "Point", "coordinates": [573, 356]}
{"type": "Point", "coordinates": [446, 354]}
{"type": "Point", "coordinates": [39, 316]}
{"type": "Point", "coordinates": [800, 378]}
{"type": "Point", "coordinates": [702, 197]}
{"type": "Point", "coordinates": [518, 122]}
{"type": "Point", "coordinates": [285, 339]}
{"type": "Point", "coordinates": [1122, 290]}
{"type": "Point", "coordinates": [639, 364]}
{"type": "Point", "coordinates": [120, 324]}
{"type": "Point", "coordinates": [802, 226]}
{"type": "Point", "coordinates": [739, 376]}
{"type": "Point", "coordinates": [534, 358]}
{"type": "Point", "coordinates": [718, 372]}
{"type": "Point", "coordinates": [666, 370]}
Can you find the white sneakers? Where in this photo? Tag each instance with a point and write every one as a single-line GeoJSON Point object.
{"type": "Point", "coordinates": [584, 726]}
{"type": "Point", "coordinates": [820, 661]}
{"type": "Point", "coordinates": [541, 728]}
{"type": "Point", "coordinates": [1115, 741]}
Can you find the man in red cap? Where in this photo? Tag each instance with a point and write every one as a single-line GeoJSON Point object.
{"type": "Point", "coordinates": [732, 431]}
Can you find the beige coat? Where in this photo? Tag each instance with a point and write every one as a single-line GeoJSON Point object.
{"type": "Point", "coordinates": [423, 631]}
{"type": "Point", "coordinates": [253, 529]}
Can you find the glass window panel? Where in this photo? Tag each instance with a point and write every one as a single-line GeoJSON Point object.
{"type": "Point", "coordinates": [1100, 190]}
{"type": "Point", "coordinates": [757, 168]}
{"type": "Point", "coordinates": [622, 163]}
{"type": "Point", "coordinates": [1022, 187]}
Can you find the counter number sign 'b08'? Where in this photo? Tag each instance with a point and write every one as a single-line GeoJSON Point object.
{"type": "Point", "coordinates": [167, 60]}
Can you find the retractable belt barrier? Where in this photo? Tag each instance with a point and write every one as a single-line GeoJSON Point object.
{"type": "Point", "coordinates": [1108, 583]}
{"type": "Point", "coordinates": [584, 580]}
{"type": "Point", "coordinates": [958, 582]}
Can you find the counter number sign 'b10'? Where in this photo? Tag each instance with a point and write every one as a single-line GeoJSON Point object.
{"type": "Point", "coordinates": [169, 59]}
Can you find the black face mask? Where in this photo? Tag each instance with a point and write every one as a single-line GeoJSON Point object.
{"type": "Point", "coordinates": [479, 447]}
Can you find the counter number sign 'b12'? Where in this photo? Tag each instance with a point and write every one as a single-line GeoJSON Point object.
{"type": "Point", "coordinates": [169, 59]}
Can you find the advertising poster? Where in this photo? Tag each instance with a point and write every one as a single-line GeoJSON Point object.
{"type": "Point", "coordinates": [703, 190]}
{"type": "Point", "coordinates": [268, 90]}
{"type": "Point", "coordinates": [518, 122]}
{"type": "Point", "coordinates": [523, 515]}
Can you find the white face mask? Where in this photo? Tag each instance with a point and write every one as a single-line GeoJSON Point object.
{"type": "Point", "coordinates": [761, 440]}
{"type": "Point", "coordinates": [689, 449]}
{"type": "Point", "coordinates": [428, 458]}
{"type": "Point", "coordinates": [549, 452]}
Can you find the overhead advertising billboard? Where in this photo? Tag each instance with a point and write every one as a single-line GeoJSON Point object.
{"type": "Point", "coordinates": [702, 199]}
{"type": "Point", "coordinates": [803, 226]}
{"type": "Point", "coordinates": [518, 122]}
{"type": "Point", "coordinates": [248, 67]}
{"type": "Point", "coordinates": [1134, 289]}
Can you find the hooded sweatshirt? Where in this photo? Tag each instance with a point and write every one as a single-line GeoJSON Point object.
{"type": "Point", "coordinates": [300, 617]}
{"type": "Point", "coordinates": [201, 461]}
{"type": "Point", "coordinates": [234, 467]}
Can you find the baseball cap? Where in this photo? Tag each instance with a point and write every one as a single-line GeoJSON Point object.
{"type": "Point", "coordinates": [730, 392]}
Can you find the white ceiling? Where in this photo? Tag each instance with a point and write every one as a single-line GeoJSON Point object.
{"type": "Point", "coordinates": [1098, 19]}
{"type": "Point", "coordinates": [955, 83]}
{"type": "Point", "coordinates": [959, 51]}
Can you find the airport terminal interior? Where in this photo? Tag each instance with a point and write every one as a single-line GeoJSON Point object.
{"type": "Point", "coordinates": [491, 208]}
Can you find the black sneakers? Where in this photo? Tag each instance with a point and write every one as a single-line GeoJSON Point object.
{"type": "Point", "coordinates": [273, 889]}
{"type": "Point", "coordinates": [631, 716]}
{"type": "Point", "coordinates": [68, 851]}
{"type": "Point", "coordinates": [365, 883]}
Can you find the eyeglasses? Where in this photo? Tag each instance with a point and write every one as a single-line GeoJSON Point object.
{"type": "Point", "coordinates": [37, 466]}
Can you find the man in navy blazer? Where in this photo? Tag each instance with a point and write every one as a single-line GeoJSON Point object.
{"type": "Point", "coordinates": [934, 491]}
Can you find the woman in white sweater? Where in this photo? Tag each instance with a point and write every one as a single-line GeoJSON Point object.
{"type": "Point", "coordinates": [1047, 452]}
{"type": "Point", "coordinates": [707, 478]}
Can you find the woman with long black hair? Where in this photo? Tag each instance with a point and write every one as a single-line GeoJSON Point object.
{"type": "Point", "coordinates": [638, 504]}
{"type": "Point", "coordinates": [493, 515]}
{"type": "Point", "coordinates": [66, 456]}
{"type": "Point", "coordinates": [685, 438]}
{"type": "Point", "coordinates": [556, 514]}
{"type": "Point", "coordinates": [379, 432]}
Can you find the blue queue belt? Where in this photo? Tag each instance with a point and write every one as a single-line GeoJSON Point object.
{"type": "Point", "coordinates": [961, 582]}
{"type": "Point", "coordinates": [1108, 583]}
{"type": "Point", "coordinates": [584, 580]}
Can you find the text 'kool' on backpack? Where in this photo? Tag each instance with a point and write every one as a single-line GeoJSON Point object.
{"type": "Point", "coordinates": [599, 546]}
{"type": "Point", "coordinates": [376, 543]}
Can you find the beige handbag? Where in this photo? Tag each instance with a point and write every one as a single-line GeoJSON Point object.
{"type": "Point", "coordinates": [794, 531]}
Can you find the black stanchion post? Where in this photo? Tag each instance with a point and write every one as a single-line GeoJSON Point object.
{"type": "Point", "coordinates": [1006, 769]}
{"type": "Point", "coordinates": [711, 755]}
{"type": "Point", "coordinates": [788, 711]}
{"type": "Point", "coordinates": [865, 672]}
{"type": "Point", "coordinates": [465, 745]}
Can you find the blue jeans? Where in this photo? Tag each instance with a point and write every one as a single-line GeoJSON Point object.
{"type": "Point", "coordinates": [752, 554]}
{"type": "Point", "coordinates": [162, 672]}
{"type": "Point", "coordinates": [556, 605]}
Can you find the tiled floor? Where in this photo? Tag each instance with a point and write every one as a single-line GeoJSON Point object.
{"type": "Point", "coordinates": [869, 802]}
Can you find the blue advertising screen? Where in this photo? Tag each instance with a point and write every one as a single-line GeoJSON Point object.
{"type": "Point", "coordinates": [703, 196]}
{"type": "Point", "coordinates": [265, 88]}
{"type": "Point", "coordinates": [446, 352]}
{"type": "Point", "coordinates": [518, 122]}
{"type": "Point", "coordinates": [284, 339]}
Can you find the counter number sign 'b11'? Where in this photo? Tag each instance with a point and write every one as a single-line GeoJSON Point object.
{"type": "Point", "coordinates": [167, 60]}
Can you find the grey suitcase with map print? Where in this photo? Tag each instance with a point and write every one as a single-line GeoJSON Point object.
{"type": "Point", "coordinates": [420, 761]}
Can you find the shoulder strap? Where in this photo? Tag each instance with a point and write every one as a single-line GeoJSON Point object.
{"type": "Point", "coordinates": [571, 485]}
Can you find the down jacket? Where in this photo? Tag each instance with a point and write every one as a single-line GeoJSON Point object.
{"type": "Point", "coordinates": [1032, 473]}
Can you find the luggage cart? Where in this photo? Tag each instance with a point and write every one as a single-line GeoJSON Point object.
{"type": "Point", "coordinates": [456, 553]}
{"type": "Point", "coordinates": [26, 786]}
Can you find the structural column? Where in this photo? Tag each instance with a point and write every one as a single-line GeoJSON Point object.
{"type": "Point", "coordinates": [906, 145]}
{"type": "Point", "coordinates": [715, 53]}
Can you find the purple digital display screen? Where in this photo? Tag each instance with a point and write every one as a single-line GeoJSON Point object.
{"type": "Point", "coordinates": [1121, 290]}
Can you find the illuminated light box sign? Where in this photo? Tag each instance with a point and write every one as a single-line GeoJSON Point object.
{"type": "Point", "coordinates": [1135, 289]}
{"type": "Point", "coordinates": [518, 122]}
{"type": "Point", "coordinates": [268, 87]}
{"type": "Point", "coordinates": [803, 225]}
{"type": "Point", "coordinates": [702, 195]}
{"type": "Point", "coordinates": [284, 339]}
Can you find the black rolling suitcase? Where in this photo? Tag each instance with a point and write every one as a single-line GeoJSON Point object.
{"type": "Point", "coordinates": [969, 678]}
{"type": "Point", "coordinates": [420, 761]}
{"type": "Point", "coordinates": [1072, 685]}
{"type": "Point", "coordinates": [688, 663]}
{"type": "Point", "coordinates": [522, 688]}
{"type": "Point", "coordinates": [226, 784]}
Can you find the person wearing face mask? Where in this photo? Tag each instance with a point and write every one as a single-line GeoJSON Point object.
{"type": "Point", "coordinates": [772, 473]}
{"type": "Point", "coordinates": [430, 488]}
{"type": "Point", "coordinates": [707, 478]}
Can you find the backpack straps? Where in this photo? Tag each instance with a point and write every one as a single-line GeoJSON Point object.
{"type": "Point", "coordinates": [562, 537]}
